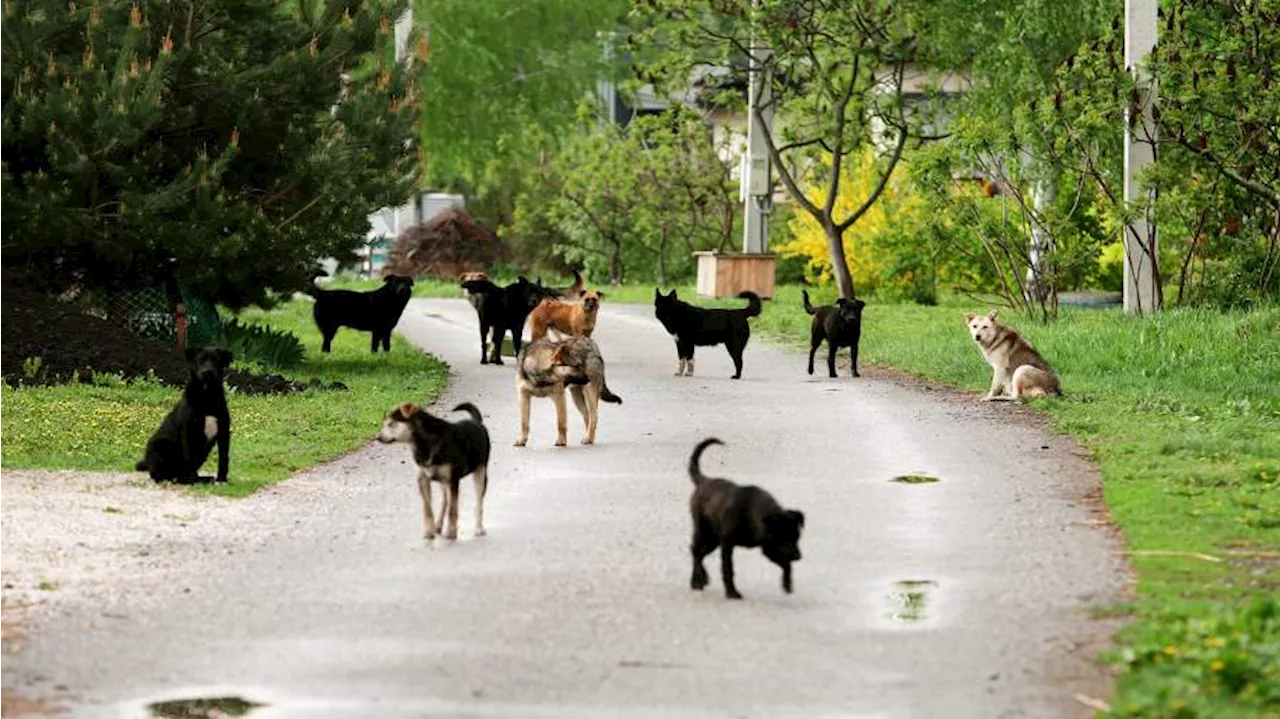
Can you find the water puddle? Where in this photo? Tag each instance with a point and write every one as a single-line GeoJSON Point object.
{"type": "Point", "coordinates": [909, 601]}
{"type": "Point", "coordinates": [914, 479]}
{"type": "Point", "coordinates": [203, 708]}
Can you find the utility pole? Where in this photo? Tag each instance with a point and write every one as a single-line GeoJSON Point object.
{"type": "Point", "coordinates": [757, 190]}
{"type": "Point", "coordinates": [1142, 291]}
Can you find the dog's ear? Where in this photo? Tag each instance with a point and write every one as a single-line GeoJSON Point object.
{"type": "Point", "coordinates": [582, 293]}
{"type": "Point", "coordinates": [407, 410]}
{"type": "Point", "coordinates": [657, 293]}
{"type": "Point", "coordinates": [600, 295]}
{"type": "Point", "coordinates": [225, 358]}
{"type": "Point", "coordinates": [673, 294]}
{"type": "Point", "coordinates": [968, 316]}
{"type": "Point", "coordinates": [798, 516]}
{"type": "Point", "coordinates": [992, 314]}
{"type": "Point", "coordinates": [521, 279]}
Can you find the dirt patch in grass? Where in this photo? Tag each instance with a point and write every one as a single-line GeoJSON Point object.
{"type": "Point", "coordinates": [49, 342]}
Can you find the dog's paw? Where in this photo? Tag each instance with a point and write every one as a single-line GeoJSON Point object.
{"type": "Point", "coordinates": [562, 442]}
{"type": "Point", "coordinates": [588, 440]}
{"type": "Point", "coordinates": [452, 534]}
{"type": "Point", "coordinates": [497, 361]}
{"type": "Point", "coordinates": [699, 580]}
{"type": "Point", "coordinates": [988, 398]}
{"type": "Point", "coordinates": [521, 441]}
{"type": "Point", "coordinates": [733, 594]}
{"type": "Point", "coordinates": [480, 531]}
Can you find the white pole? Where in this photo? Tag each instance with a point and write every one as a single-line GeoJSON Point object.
{"type": "Point", "coordinates": [759, 190]}
{"type": "Point", "coordinates": [1141, 273]}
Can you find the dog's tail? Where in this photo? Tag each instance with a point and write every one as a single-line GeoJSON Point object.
{"type": "Point", "coordinates": [753, 302]}
{"type": "Point", "coordinates": [578, 284]}
{"type": "Point", "coordinates": [470, 409]}
{"type": "Point", "coordinates": [807, 307]}
{"type": "Point", "coordinates": [695, 471]}
{"type": "Point", "coordinates": [608, 396]}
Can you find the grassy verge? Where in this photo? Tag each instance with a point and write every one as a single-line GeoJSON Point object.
{"type": "Point", "coordinates": [104, 426]}
{"type": "Point", "coordinates": [1182, 414]}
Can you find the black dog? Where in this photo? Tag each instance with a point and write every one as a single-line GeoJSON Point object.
{"type": "Point", "coordinates": [186, 436]}
{"type": "Point", "coordinates": [445, 452]}
{"type": "Point", "coordinates": [840, 325]}
{"type": "Point", "coordinates": [502, 310]}
{"type": "Point", "coordinates": [694, 326]}
{"type": "Point", "coordinates": [727, 515]}
{"type": "Point", "coordinates": [376, 311]}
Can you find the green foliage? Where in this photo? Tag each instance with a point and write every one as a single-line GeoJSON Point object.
{"type": "Point", "coordinates": [262, 345]}
{"type": "Point", "coordinates": [104, 426]}
{"type": "Point", "coordinates": [203, 142]}
{"type": "Point", "coordinates": [1201, 665]}
{"type": "Point", "coordinates": [504, 77]}
{"type": "Point", "coordinates": [675, 196]}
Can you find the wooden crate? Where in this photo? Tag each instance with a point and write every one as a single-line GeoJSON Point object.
{"type": "Point", "coordinates": [725, 274]}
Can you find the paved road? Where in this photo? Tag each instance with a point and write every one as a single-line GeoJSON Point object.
{"type": "Point", "coordinates": [962, 598]}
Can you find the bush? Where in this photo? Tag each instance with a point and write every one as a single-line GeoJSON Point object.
{"type": "Point", "coordinates": [260, 344]}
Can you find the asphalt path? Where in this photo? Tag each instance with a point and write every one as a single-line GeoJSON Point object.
{"type": "Point", "coordinates": [965, 597]}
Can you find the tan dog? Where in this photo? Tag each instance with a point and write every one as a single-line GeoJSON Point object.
{"type": "Point", "coordinates": [545, 368]}
{"type": "Point", "coordinates": [1017, 369]}
{"type": "Point", "coordinates": [475, 298]}
{"type": "Point", "coordinates": [572, 320]}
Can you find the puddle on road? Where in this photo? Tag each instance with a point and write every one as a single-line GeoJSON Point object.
{"type": "Point", "coordinates": [914, 479]}
{"type": "Point", "coordinates": [909, 600]}
{"type": "Point", "coordinates": [203, 708]}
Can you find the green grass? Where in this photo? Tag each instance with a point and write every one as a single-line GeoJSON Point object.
{"type": "Point", "coordinates": [104, 426]}
{"type": "Point", "coordinates": [1182, 414]}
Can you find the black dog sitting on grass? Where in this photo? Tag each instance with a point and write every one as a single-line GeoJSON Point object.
{"type": "Point", "coordinates": [502, 310]}
{"type": "Point", "coordinates": [840, 325]}
{"type": "Point", "coordinates": [188, 433]}
{"type": "Point", "coordinates": [376, 311]}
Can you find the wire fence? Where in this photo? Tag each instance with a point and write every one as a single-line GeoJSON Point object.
{"type": "Point", "coordinates": [154, 312]}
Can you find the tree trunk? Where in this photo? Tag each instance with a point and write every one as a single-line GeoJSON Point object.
{"type": "Point", "coordinates": [662, 256]}
{"type": "Point", "coordinates": [615, 263]}
{"type": "Point", "coordinates": [1044, 191]}
{"type": "Point", "coordinates": [839, 267]}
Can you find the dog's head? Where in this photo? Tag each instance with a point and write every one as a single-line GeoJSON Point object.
{"type": "Point", "coordinates": [400, 284]}
{"type": "Point", "coordinates": [529, 293]}
{"type": "Point", "coordinates": [466, 277]}
{"type": "Point", "coordinates": [590, 300]}
{"type": "Point", "coordinates": [398, 426]}
{"type": "Point", "coordinates": [983, 328]}
{"type": "Point", "coordinates": [664, 305]}
{"type": "Point", "coordinates": [850, 311]}
{"type": "Point", "coordinates": [208, 364]}
{"type": "Point", "coordinates": [782, 536]}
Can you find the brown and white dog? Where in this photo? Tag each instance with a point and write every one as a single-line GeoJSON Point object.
{"type": "Point", "coordinates": [1017, 369]}
{"type": "Point", "coordinates": [445, 452]}
{"type": "Point", "coordinates": [572, 320]}
{"type": "Point", "coordinates": [546, 369]}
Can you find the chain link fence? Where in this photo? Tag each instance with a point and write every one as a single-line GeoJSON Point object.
{"type": "Point", "coordinates": [153, 312]}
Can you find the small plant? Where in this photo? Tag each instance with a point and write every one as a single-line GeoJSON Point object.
{"type": "Point", "coordinates": [260, 344]}
{"type": "Point", "coordinates": [48, 585]}
{"type": "Point", "coordinates": [31, 367]}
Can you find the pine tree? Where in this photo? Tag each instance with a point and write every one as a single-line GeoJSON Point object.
{"type": "Point", "coordinates": [213, 143]}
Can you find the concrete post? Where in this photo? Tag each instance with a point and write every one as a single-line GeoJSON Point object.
{"type": "Point", "coordinates": [758, 197]}
{"type": "Point", "coordinates": [1142, 292]}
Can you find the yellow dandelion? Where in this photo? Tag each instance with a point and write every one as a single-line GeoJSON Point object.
{"type": "Point", "coordinates": [1216, 665]}
{"type": "Point", "coordinates": [1171, 650]}
{"type": "Point", "coordinates": [1215, 642]}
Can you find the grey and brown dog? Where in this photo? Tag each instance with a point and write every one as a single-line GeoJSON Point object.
{"type": "Point", "coordinates": [1017, 369]}
{"type": "Point", "coordinates": [546, 369]}
{"type": "Point", "coordinates": [840, 325]}
{"type": "Point", "coordinates": [445, 452]}
{"type": "Point", "coordinates": [728, 515]}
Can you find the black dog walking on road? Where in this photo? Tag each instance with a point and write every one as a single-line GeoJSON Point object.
{"type": "Point", "coordinates": [840, 325]}
{"type": "Point", "coordinates": [188, 433]}
{"type": "Point", "coordinates": [376, 311]}
{"type": "Point", "coordinates": [698, 326]}
{"type": "Point", "coordinates": [727, 515]}
{"type": "Point", "coordinates": [502, 310]}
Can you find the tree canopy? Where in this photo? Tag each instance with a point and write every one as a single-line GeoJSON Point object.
{"type": "Point", "coordinates": [217, 145]}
